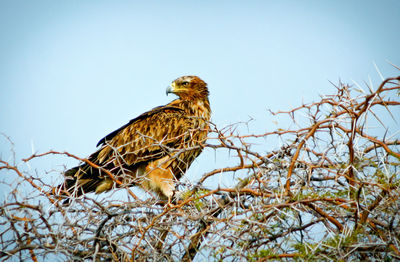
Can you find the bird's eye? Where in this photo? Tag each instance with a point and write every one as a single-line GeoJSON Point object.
{"type": "Point", "coordinates": [185, 83]}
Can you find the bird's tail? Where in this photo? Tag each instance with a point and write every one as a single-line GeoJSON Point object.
{"type": "Point", "coordinates": [80, 180]}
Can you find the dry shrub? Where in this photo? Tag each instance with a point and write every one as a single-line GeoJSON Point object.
{"type": "Point", "coordinates": [330, 191]}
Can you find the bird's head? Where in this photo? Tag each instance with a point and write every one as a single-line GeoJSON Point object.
{"type": "Point", "coordinates": [188, 88]}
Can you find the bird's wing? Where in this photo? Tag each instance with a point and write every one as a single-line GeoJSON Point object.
{"type": "Point", "coordinates": [149, 136]}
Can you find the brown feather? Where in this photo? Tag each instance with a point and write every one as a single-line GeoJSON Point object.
{"type": "Point", "coordinates": [151, 150]}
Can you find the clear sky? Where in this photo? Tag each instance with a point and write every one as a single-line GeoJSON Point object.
{"type": "Point", "coordinates": [73, 71]}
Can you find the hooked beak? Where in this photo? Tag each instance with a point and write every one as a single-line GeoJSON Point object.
{"type": "Point", "coordinates": [170, 88]}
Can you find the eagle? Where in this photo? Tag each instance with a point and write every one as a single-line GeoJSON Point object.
{"type": "Point", "coordinates": [152, 151]}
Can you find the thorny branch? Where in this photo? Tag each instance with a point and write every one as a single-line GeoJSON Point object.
{"type": "Point", "coordinates": [330, 191]}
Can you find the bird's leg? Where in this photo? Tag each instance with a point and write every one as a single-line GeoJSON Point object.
{"type": "Point", "coordinates": [161, 179]}
{"type": "Point", "coordinates": [168, 190]}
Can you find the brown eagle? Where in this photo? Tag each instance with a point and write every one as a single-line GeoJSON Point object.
{"type": "Point", "coordinates": [150, 151]}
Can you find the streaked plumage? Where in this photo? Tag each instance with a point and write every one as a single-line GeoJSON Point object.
{"type": "Point", "coordinates": [151, 150]}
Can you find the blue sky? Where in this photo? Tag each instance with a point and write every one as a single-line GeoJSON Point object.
{"type": "Point", "coordinates": [73, 71]}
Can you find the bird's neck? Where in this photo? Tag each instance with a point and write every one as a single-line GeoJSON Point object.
{"type": "Point", "coordinates": [198, 107]}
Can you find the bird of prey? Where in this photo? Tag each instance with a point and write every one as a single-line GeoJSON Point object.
{"type": "Point", "coordinates": [152, 150]}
